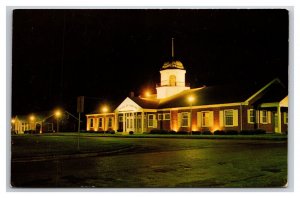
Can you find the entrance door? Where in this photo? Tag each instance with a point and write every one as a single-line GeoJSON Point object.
{"type": "Point", "coordinates": [129, 122]}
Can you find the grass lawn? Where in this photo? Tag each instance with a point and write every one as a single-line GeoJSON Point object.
{"type": "Point", "coordinates": [40, 145]}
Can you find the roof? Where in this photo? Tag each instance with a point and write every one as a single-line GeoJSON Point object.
{"type": "Point", "coordinates": [275, 93]}
{"type": "Point", "coordinates": [223, 94]}
{"type": "Point", "coordinates": [174, 64]}
{"type": "Point", "coordinates": [146, 103]}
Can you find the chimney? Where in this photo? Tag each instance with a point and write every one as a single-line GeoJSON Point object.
{"type": "Point", "coordinates": [131, 94]}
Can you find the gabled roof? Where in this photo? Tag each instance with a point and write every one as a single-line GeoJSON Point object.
{"type": "Point", "coordinates": [146, 103]}
{"type": "Point", "coordinates": [222, 94]}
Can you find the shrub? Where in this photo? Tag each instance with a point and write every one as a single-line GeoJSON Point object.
{"type": "Point", "coordinates": [158, 131]}
{"type": "Point", "coordinates": [172, 132]}
{"type": "Point", "coordinates": [182, 133]}
{"type": "Point", "coordinates": [231, 132]}
{"type": "Point", "coordinates": [253, 132]}
{"type": "Point", "coordinates": [120, 130]}
{"type": "Point", "coordinates": [219, 132]}
{"type": "Point", "coordinates": [206, 133]}
{"type": "Point", "coordinates": [196, 132]}
{"type": "Point", "coordinates": [260, 131]}
{"type": "Point", "coordinates": [112, 132]}
{"type": "Point", "coordinates": [131, 132]}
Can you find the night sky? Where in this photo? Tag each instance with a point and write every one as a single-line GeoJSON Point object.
{"type": "Point", "coordinates": [104, 54]}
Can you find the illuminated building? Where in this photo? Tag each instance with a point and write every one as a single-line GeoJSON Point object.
{"type": "Point", "coordinates": [226, 107]}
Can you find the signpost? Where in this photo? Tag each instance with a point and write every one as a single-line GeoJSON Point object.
{"type": "Point", "coordinates": [80, 109]}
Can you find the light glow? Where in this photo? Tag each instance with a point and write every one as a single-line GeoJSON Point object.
{"type": "Point", "coordinates": [13, 121]}
{"type": "Point", "coordinates": [191, 99]}
{"type": "Point", "coordinates": [57, 113]}
{"type": "Point", "coordinates": [147, 94]}
{"type": "Point", "coordinates": [31, 118]}
{"type": "Point", "coordinates": [104, 109]}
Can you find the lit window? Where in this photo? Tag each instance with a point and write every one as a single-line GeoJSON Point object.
{"type": "Point", "coordinates": [185, 119]}
{"type": "Point", "coordinates": [160, 116]}
{"type": "Point", "coordinates": [205, 119]}
{"type": "Point", "coordinates": [166, 116]}
{"type": "Point", "coordinates": [150, 120]}
{"type": "Point", "coordinates": [120, 118]}
{"type": "Point", "coordinates": [264, 116]}
{"type": "Point", "coordinates": [100, 122]}
{"type": "Point", "coordinates": [251, 116]}
{"type": "Point", "coordinates": [110, 122]}
{"type": "Point", "coordinates": [228, 117]}
{"type": "Point", "coordinates": [285, 115]}
{"type": "Point", "coordinates": [91, 122]}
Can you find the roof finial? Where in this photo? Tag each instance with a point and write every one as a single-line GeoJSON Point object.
{"type": "Point", "coordinates": [172, 48]}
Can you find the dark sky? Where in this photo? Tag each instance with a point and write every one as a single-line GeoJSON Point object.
{"type": "Point", "coordinates": [61, 54]}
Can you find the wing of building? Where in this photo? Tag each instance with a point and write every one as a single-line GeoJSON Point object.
{"type": "Point", "coordinates": [177, 107]}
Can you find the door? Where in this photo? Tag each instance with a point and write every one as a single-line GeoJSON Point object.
{"type": "Point", "coordinates": [129, 122]}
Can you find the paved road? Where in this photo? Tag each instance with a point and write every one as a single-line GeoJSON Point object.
{"type": "Point", "coordinates": [165, 163]}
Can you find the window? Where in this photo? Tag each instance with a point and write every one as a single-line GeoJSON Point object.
{"type": "Point", "coordinates": [205, 119]}
{"type": "Point", "coordinates": [139, 121]}
{"type": "Point", "coordinates": [251, 116]}
{"type": "Point", "coordinates": [100, 122]}
{"type": "Point", "coordinates": [91, 122]}
{"type": "Point", "coordinates": [184, 119]}
{"type": "Point", "coordinates": [172, 80]}
{"type": "Point", "coordinates": [166, 116]}
{"type": "Point", "coordinates": [150, 120]}
{"type": "Point", "coordinates": [264, 116]}
{"type": "Point", "coordinates": [160, 116]}
{"type": "Point", "coordinates": [110, 122]}
{"type": "Point", "coordinates": [228, 117]}
{"type": "Point", "coordinates": [120, 118]}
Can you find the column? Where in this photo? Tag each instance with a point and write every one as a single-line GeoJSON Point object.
{"type": "Point", "coordinates": [116, 121]}
{"type": "Point", "coordinates": [279, 118]}
{"type": "Point", "coordinates": [124, 122]}
{"type": "Point", "coordinates": [142, 121]}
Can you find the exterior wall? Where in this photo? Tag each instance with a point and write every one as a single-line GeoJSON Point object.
{"type": "Point", "coordinates": [163, 92]}
{"type": "Point", "coordinates": [241, 121]}
{"type": "Point", "coordinates": [178, 73]}
{"type": "Point", "coordinates": [96, 126]}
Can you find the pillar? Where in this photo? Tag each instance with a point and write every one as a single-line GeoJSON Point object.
{"type": "Point", "coordinates": [142, 121]}
{"type": "Point", "coordinates": [279, 118]}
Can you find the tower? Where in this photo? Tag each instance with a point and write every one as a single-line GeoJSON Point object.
{"type": "Point", "coordinates": [172, 78]}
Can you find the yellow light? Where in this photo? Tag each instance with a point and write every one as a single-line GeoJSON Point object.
{"type": "Point", "coordinates": [13, 121]}
{"type": "Point", "coordinates": [32, 118]}
{"type": "Point", "coordinates": [104, 109]}
{"type": "Point", "coordinates": [57, 113]}
{"type": "Point", "coordinates": [191, 98]}
{"type": "Point", "coordinates": [147, 94]}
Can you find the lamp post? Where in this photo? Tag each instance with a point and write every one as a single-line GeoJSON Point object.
{"type": "Point", "coordinates": [191, 100]}
{"type": "Point", "coordinates": [104, 110]}
{"type": "Point", "coordinates": [57, 115]}
{"type": "Point", "coordinates": [31, 118]}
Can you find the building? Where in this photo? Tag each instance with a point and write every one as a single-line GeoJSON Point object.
{"type": "Point", "coordinates": [177, 107]}
{"type": "Point", "coordinates": [44, 122]}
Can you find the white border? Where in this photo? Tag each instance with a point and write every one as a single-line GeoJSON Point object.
{"type": "Point", "coordinates": [293, 70]}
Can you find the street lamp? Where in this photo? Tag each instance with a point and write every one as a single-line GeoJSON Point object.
{"type": "Point", "coordinates": [31, 118]}
{"type": "Point", "coordinates": [147, 94]}
{"type": "Point", "coordinates": [191, 100]}
{"type": "Point", "coordinates": [104, 109]}
{"type": "Point", "coordinates": [57, 115]}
